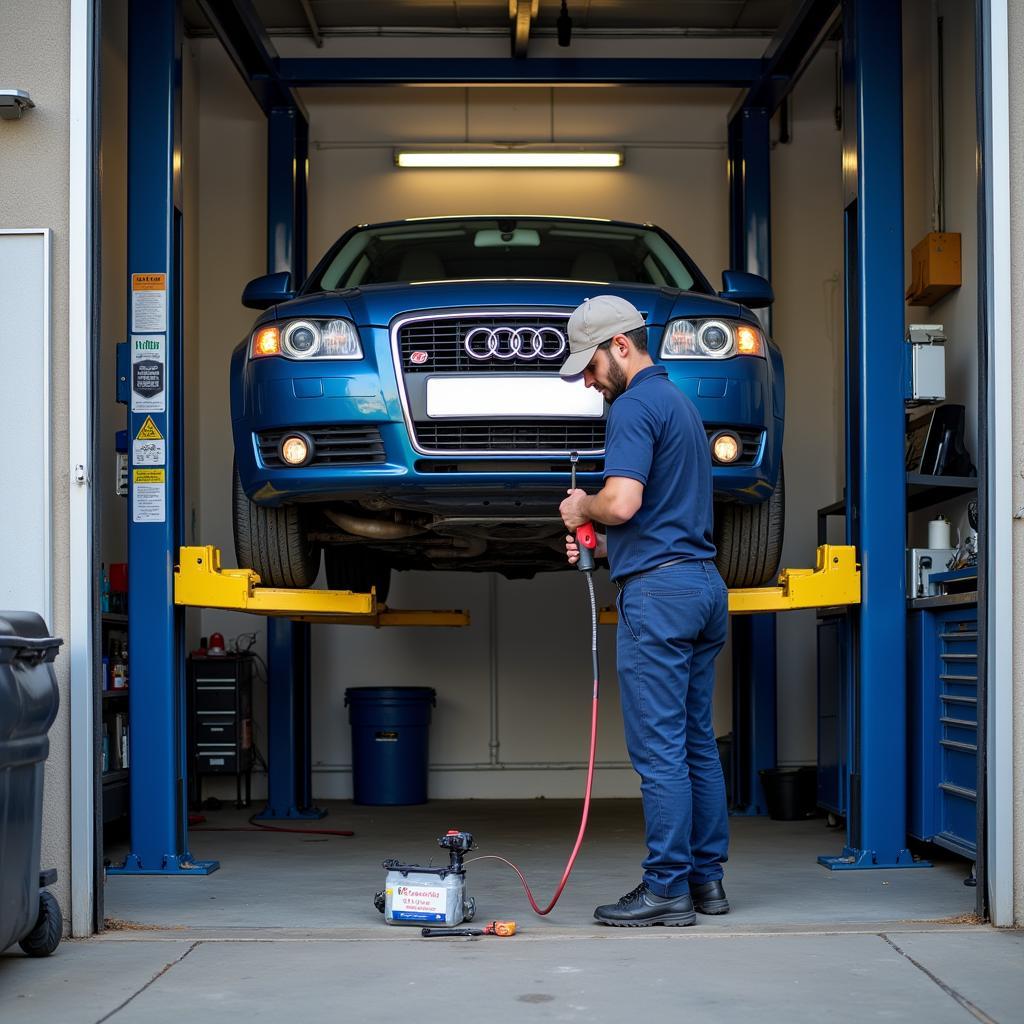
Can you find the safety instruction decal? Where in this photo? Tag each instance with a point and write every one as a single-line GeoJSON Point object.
{"type": "Point", "coordinates": [149, 302]}
{"type": "Point", "coordinates": [149, 447]}
{"type": "Point", "coordinates": [148, 376]}
{"type": "Point", "coordinates": [149, 490]}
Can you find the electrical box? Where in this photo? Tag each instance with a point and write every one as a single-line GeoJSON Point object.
{"type": "Point", "coordinates": [925, 365]}
{"type": "Point", "coordinates": [935, 268]}
{"type": "Point", "coordinates": [922, 563]}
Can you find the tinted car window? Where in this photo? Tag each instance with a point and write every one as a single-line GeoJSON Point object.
{"type": "Point", "coordinates": [481, 249]}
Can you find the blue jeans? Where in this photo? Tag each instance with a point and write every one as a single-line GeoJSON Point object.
{"type": "Point", "coordinates": [672, 624]}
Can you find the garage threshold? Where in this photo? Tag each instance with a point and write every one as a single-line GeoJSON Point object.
{"type": "Point", "coordinates": [303, 884]}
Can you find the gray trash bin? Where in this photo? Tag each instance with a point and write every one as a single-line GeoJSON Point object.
{"type": "Point", "coordinates": [28, 705]}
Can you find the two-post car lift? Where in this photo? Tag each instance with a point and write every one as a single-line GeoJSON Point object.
{"type": "Point", "coordinates": [875, 481]}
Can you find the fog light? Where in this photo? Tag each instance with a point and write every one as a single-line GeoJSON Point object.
{"type": "Point", "coordinates": [296, 450]}
{"type": "Point", "coordinates": [725, 447]}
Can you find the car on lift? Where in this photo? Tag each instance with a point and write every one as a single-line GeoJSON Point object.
{"type": "Point", "coordinates": [402, 409]}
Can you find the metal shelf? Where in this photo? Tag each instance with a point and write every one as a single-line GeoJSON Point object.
{"type": "Point", "coordinates": [924, 491]}
{"type": "Point", "coordinates": [118, 775]}
{"type": "Point", "coordinates": [113, 694]}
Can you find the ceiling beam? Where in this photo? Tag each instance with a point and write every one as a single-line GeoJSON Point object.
{"type": "Point", "coordinates": [309, 72]}
{"type": "Point", "coordinates": [314, 27]}
{"type": "Point", "coordinates": [792, 48]}
{"type": "Point", "coordinates": [240, 31]}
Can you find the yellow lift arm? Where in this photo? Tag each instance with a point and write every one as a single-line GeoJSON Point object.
{"type": "Point", "coordinates": [834, 581]}
{"type": "Point", "coordinates": [200, 582]}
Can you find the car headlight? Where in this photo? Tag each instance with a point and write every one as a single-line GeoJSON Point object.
{"type": "Point", "coordinates": [710, 339]}
{"type": "Point", "coordinates": [308, 339]}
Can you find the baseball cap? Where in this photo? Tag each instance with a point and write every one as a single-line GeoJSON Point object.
{"type": "Point", "coordinates": [596, 321]}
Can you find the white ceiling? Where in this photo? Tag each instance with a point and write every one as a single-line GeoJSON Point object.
{"type": "Point", "coordinates": [604, 16]}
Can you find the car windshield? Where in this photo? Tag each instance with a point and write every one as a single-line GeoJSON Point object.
{"type": "Point", "coordinates": [481, 249]}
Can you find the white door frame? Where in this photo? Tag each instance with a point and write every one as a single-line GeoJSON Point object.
{"type": "Point", "coordinates": [999, 493]}
{"type": "Point", "coordinates": [81, 402]}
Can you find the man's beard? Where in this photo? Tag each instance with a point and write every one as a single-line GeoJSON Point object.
{"type": "Point", "coordinates": [616, 381]}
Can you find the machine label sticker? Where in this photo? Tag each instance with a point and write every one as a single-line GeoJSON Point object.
{"type": "Point", "coordinates": [419, 903]}
{"type": "Point", "coordinates": [149, 491]}
{"type": "Point", "coordinates": [149, 453]}
{"type": "Point", "coordinates": [149, 302]}
{"type": "Point", "coordinates": [148, 373]}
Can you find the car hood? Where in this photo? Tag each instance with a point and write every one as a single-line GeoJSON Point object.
{"type": "Point", "coordinates": [378, 305]}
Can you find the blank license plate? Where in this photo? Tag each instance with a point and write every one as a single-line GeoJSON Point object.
{"type": "Point", "coordinates": [511, 396]}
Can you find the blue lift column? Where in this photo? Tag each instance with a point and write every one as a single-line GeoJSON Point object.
{"type": "Point", "coordinates": [156, 654]}
{"type": "Point", "coordinates": [875, 472]}
{"type": "Point", "coordinates": [754, 708]}
{"type": "Point", "coordinates": [289, 776]}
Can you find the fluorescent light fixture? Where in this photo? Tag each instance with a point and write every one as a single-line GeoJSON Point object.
{"type": "Point", "coordinates": [508, 158]}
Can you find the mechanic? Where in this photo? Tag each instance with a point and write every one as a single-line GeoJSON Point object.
{"type": "Point", "coordinates": [656, 503]}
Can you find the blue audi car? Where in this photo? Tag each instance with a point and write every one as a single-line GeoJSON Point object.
{"type": "Point", "coordinates": [402, 409]}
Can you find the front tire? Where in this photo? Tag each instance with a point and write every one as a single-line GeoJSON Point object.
{"type": "Point", "coordinates": [749, 539]}
{"type": "Point", "coordinates": [354, 567]}
{"type": "Point", "coordinates": [273, 541]}
{"type": "Point", "coordinates": [46, 936]}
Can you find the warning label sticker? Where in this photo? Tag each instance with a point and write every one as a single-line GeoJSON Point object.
{"type": "Point", "coordinates": [148, 377]}
{"type": "Point", "coordinates": [149, 302]}
{"type": "Point", "coordinates": [149, 502]}
{"type": "Point", "coordinates": [149, 431]}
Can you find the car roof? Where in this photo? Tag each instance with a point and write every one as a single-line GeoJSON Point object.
{"type": "Point", "coordinates": [505, 216]}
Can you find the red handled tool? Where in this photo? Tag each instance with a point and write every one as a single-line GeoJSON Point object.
{"type": "Point", "coordinates": [586, 535]}
{"type": "Point", "coordinates": [500, 928]}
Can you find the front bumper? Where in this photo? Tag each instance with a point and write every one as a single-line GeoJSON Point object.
{"type": "Point", "coordinates": [278, 394]}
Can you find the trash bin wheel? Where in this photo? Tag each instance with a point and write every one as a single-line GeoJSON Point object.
{"type": "Point", "coordinates": [469, 909]}
{"type": "Point", "coordinates": [46, 936]}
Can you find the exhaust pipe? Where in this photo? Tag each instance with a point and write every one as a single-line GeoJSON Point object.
{"type": "Point", "coordinates": [372, 529]}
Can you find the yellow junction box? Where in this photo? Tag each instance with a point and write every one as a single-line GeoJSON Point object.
{"type": "Point", "coordinates": [935, 268]}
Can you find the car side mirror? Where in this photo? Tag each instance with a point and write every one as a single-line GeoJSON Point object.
{"type": "Point", "coordinates": [264, 292]}
{"type": "Point", "coordinates": [748, 290]}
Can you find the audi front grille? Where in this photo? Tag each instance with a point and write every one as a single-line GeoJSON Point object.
{"type": "Point", "coordinates": [483, 344]}
{"type": "Point", "coordinates": [511, 435]}
{"type": "Point", "coordinates": [332, 446]}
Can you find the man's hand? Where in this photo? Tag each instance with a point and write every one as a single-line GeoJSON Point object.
{"type": "Point", "coordinates": [571, 509]}
{"type": "Point", "coordinates": [572, 551]}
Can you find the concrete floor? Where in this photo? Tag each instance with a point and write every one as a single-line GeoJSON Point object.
{"type": "Point", "coordinates": [281, 880]}
{"type": "Point", "coordinates": [286, 931]}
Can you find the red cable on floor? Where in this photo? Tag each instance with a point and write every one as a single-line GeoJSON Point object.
{"type": "Point", "coordinates": [579, 837]}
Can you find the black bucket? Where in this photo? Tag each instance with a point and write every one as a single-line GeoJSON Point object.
{"type": "Point", "coordinates": [790, 793]}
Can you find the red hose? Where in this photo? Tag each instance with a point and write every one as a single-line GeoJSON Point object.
{"type": "Point", "coordinates": [579, 837]}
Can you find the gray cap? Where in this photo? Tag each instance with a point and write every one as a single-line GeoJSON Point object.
{"type": "Point", "coordinates": [598, 320]}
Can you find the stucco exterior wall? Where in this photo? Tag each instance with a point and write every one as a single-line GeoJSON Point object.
{"type": "Point", "coordinates": [35, 56]}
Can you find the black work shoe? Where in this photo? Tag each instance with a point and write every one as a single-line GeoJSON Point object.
{"type": "Point", "coordinates": [641, 908]}
{"type": "Point", "coordinates": [709, 898]}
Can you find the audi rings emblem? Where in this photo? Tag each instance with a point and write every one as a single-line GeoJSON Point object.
{"type": "Point", "coordinates": [515, 343]}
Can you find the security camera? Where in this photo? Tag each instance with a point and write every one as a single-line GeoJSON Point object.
{"type": "Point", "coordinates": [564, 26]}
{"type": "Point", "coordinates": [13, 103]}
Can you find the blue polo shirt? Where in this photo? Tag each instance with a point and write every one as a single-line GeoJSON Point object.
{"type": "Point", "coordinates": [656, 436]}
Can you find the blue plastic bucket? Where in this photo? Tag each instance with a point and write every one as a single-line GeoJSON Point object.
{"type": "Point", "coordinates": [390, 727]}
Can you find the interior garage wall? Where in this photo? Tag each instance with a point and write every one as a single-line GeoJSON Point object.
{"type": "Point", "coordinates": [957, 311]}
{"type": "Point", "coordinates": [34, 56]}
{"type": "Point", "coordinates": [675, 176]}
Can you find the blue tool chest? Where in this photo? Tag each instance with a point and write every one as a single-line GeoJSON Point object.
{"type": "Point", "coordinates": [942, 710]}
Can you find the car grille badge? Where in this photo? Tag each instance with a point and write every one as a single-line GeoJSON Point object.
{"type": "Point", "coordinates": [419, 357]}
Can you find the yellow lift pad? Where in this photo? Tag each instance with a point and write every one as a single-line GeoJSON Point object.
{"type": "Point", "coordinates": [835, 581]}
{"type": "Point", "coordinates": [200, 582]}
